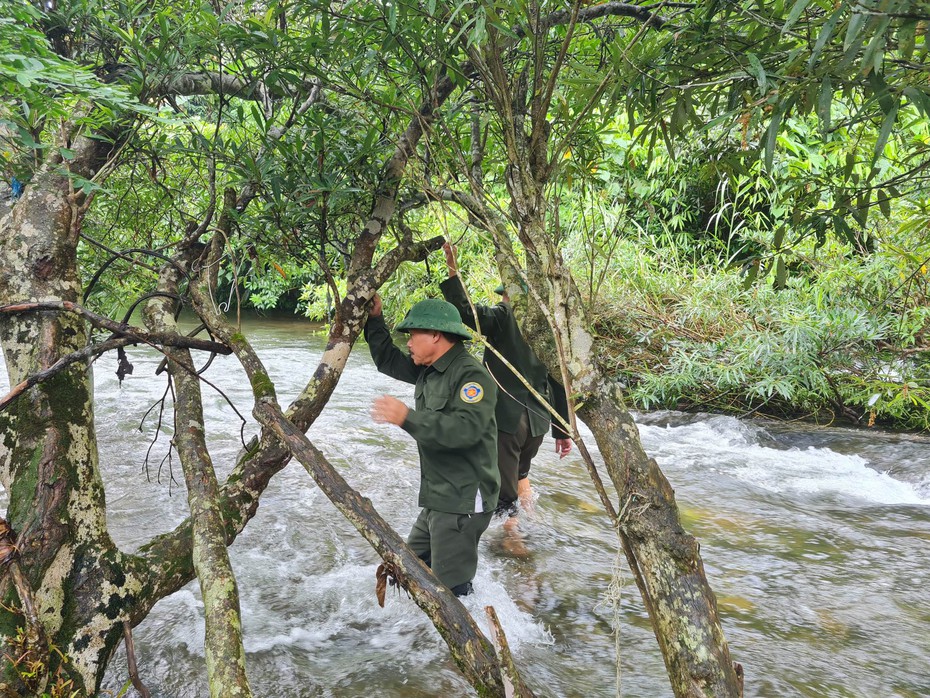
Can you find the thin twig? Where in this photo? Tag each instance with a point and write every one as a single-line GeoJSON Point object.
{"type": "Point", "coordinates": [131, 662]}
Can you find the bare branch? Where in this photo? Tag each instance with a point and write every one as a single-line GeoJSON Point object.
{"type": "Point", "coordinates": [131, 662]}
{"type": "Point", "coordinates": [136, 334]}
{"type": "Point", "coordinates": [608, 9]}
{"type": "Point", "coordinates": [61, 364]}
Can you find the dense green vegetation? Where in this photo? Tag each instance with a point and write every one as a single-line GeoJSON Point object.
{"type": "Point", "coordinates": [729, 197]}
{"type": "Point", "coordinates": [752, 242]}
{"type": "Point", "coordinates": [707, 295]}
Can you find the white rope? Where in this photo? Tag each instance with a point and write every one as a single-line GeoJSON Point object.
{"type": "Point", "coordinates": [614, 597]}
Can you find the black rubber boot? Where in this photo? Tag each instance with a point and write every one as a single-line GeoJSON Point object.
{"type": "Point", "coordinates": [463, 589]}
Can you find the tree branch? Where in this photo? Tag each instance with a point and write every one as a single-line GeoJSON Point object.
{"type": "Point", "coordinates": [88, 352]}
{"type": "Point", "coordinates": [608, 9]}
{"type": "Point", "coordinates": [136, 334]}
{"type": "Point", "coordinates": [386, 196]}
{"type": "Point", "coordinates": [212, 82]}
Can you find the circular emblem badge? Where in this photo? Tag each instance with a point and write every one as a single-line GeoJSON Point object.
{"type": "Point", "coordinates": [472, 392]}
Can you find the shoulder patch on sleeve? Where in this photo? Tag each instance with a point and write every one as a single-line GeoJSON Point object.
{"type": "Point", "coordinates": [472, 392]}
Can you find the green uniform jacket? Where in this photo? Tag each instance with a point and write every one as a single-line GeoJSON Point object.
{"type": "Point", "coordinates": [453, 423]}
{"type": "Point", "coordinates": [500, 327]}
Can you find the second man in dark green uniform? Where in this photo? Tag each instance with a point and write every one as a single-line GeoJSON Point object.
{"type": "Point", "coordinates": [522, 420]}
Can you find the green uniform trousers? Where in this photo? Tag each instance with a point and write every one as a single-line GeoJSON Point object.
{"type": "Point", "coordinates": [515, 453]}
{"type": "Point", "coordinates": [448, 543]}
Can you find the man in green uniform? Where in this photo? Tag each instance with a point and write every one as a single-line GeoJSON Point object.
{"type": "Point", "coordinates": [455, 431]}
{"type": "Point", "coordinates": [521, 420]}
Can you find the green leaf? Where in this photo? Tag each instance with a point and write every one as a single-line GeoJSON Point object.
{"type": "Point", "coordinates": [884, 203]}
{"type": "Point", "coordinates": [826, 32]}
{"type": "Point", "coordinates": [796, 10]}
{"type": "Point", "coordinates": [325, 26]}
{"type": "Point", "coordinates": [887, 126]}
{"type": "Point", "coordinates": [758, 72]}
{"type": "Point", "coordinates": [26, 138]}
{"type": "Point", "coordinates": [850, 165]}
{"type": "Point", "coordinates": [907, 34]}
{"type": "Point", "coordinates": [781, 272]}
{"type": "Point", "coordinates": [86, 185]}
{"type": "Point", "coordinates": [842, 228]}
{"type": "Point", "coordinates": [752, 273]}
{"type": "Point", "coordinates": [853, 30]}
{"type": "Point", "coordinates": [370, 139]}
{"type": "Point", "coordinates": [874, 52]}
{"type": "Point", "coordinates": [824, 104]}
{"type": "Point", "coordinates": [771, 134]}
{"type": "Point", "coordinates": [919, 99]}
{"type": "Point", "coordinates": [861, 212]}
{"type": "Point", "coordinates": [779, 237]}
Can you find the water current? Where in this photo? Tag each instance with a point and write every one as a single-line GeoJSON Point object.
{"type": "Point", "coordinates": [814, 540]}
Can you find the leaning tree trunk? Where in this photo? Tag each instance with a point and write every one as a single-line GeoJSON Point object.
{"type": "Point", "coordinates": [664, 558]}
{"type": "Point", "coordinates": [681, 604]}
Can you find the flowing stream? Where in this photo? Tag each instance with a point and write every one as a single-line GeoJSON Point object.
{"type": "Point", "coordinates": [814, 541]}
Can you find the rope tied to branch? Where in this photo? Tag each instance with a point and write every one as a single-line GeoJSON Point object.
{"type": "Point", "coordinates": [613, 597]}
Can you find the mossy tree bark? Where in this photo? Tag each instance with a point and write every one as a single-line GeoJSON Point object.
{"type": "Point", "coordinates": [81, 583]}
{"type": "Point", "coordinates": [223, 648]}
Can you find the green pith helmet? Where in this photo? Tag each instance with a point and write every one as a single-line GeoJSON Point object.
{"type": "Point", "coordinates": [434, 314]}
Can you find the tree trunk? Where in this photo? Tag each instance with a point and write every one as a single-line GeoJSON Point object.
{"type": "Point", "coordinates": [223, 648]}
{"type": "Point", "coordinates": [48, 452]}
{"type": "Point", "coordinates": [664, 559]}
{"type": "Point", "coordinates": [681, 604]}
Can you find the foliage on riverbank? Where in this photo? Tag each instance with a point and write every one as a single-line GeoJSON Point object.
{"type": "Point", "coordinates": [716, 282]}
{"type": "Point", "coordinates": [847, 341]}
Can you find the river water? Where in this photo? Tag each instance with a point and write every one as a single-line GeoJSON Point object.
{"type": "Point", "coordinates": [813, 539]}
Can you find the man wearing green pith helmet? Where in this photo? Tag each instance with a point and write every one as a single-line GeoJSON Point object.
{"type": "Point", "coordinates": [455, 430]}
